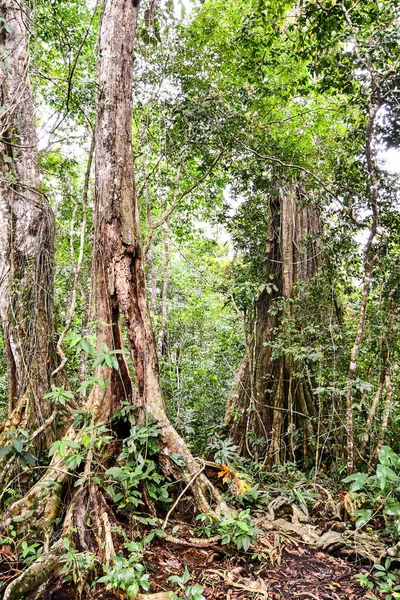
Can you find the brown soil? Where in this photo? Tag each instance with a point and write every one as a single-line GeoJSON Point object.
{"type": "Point", "coordinates": [302, 573]}
{"type": "Point", "coordinates": [297, 573]}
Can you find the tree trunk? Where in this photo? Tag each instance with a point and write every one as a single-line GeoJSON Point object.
{"type": "Point", "coordinates": [26, 233]}
{"type": "Point", "coordinates": [387, 372]}
{"type": "Point", "coordinates": [164, 294]}
{"type": "Point", "coordinates": [120, 291]}
{"type": "Point", "coordinates": [120, 275]}
{"type": "Point", "coordinates": [269, 399]}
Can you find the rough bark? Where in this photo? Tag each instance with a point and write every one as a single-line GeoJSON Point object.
{"type": "Point", "coordinates": [120, 275]}
{"type": "Point", "coordinates": [268, 398]}
{"type": "Point", "coordinates": [120, 291]}
{"type": "Point", "coordinates": [26, 231]}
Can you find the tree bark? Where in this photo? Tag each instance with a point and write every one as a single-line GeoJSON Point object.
{"type": "Point", "coordinates": [120, 292]}
{"type": "Point", "coordinates": [164, 294]}
{"type": "Point", "coordinates": [268, 397]}
{"type": "Point", "coordinates": [26, 231]}
{"type": "Point", "coordinates": [120, 275]}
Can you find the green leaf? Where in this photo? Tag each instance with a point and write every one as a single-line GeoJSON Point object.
{"type": "Point", "coordinates": [392, 509]}
{"type": "Point", "coordinates": [54, 447]}
{"type": "Point", "coordinates": [5, 450]}
{"type": "Point", "coordinates": [18, 445]}
{"type": "Point", "coordinates": [29, 458]}
{"type": "Point", "coordinates": [387, 457]}
{"type": "Point", "coordinates": [358, 481]}
{"type": "Point", "coordinates": [178, 459]}
{"type": "Point", "coordinates": [86, 347]}
{"type": "Point", "coordinates": [160, 533]}
{"type": "Point", "coordinates": [364, 514]}
{"type": "Point", "coordinates": [186, 576]}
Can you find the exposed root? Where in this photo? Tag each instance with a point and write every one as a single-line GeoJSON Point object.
{"type": "Point", "coordinates": [248, 585]}
{"type": "Point", "coordinates": [359, 545]}
{"type": "Point", "coordinates": [96, 538]}
{"type": "Point", "coordinates": [350, 544]}
{"type": "Point", "coordinates": [190, 484]}
{"type": "Point", "coordinates": [109, 549]}
{"type": "Point", "coordinates": [36, 574]}
{"type": "Point", "coordinates": [159, 596]}
{"type": "Point", "coordinates": [88, 522]}
{"type": "Point", "coordinates": [206, 496]}
{"type": "Point", "coordinates": [281, 506]}
{"type": "Point", "coordinates": [193, 542]}
{"type": "Point", "coordinates": [306, 533]}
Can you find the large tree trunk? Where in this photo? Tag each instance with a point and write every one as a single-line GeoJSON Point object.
{"type": "Point", "coordinates": [120, 291]}
{"type": "Point", "coordinates": [270, 398]}
{"type": "Point", "coordinates": [26, 232]}
{"type": "Point", "coordinates": [120, 275]}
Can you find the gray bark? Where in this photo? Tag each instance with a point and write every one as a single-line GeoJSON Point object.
{"type": "Point", "coordinates": [26, 226]}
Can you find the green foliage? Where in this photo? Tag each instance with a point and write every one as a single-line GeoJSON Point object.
{"type": "Point", "coordinates": [383, 579]}
{"type": "Point", "coordinates": [125, 574]}
{"type": "Point", "coordinates": [238, 528]}
{"type": "Point", "coordinates": [203, 339]}
{"type": "Point", "coordinates": [223, 450]}
{"type": "Point", "coordinates": [190, 592]}
{"type": "Point", "coordinates": [59, 394]}
{"type": "Point", "coordinates": [74, 451]}
{"type": "Point", "coordinates": [253, 498]}
{"type": "Point", "coordinates": [80, 343]}
{"type": "Point", "coordinates": [379, 492]}
{"type": "Point", "coordinates": [20, 447]}
{"type": "Point", "coordinates": [30, 552]}
{"type": "Point", "coordinates": [76, 565]}
{"type": "Point", "coordinates": [60, 447]}
{"type": "Point", "coordinates": [106, 357]}
{"type": "Point", "coordinates": [136, 469]}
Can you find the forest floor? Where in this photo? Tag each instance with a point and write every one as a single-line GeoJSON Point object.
{"type": "Point", "coordinates": [292, 571]}
{"type": "Point", "coordinates": [299, 573]}
{"type": "Point", "coordinates": [279, 565]}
